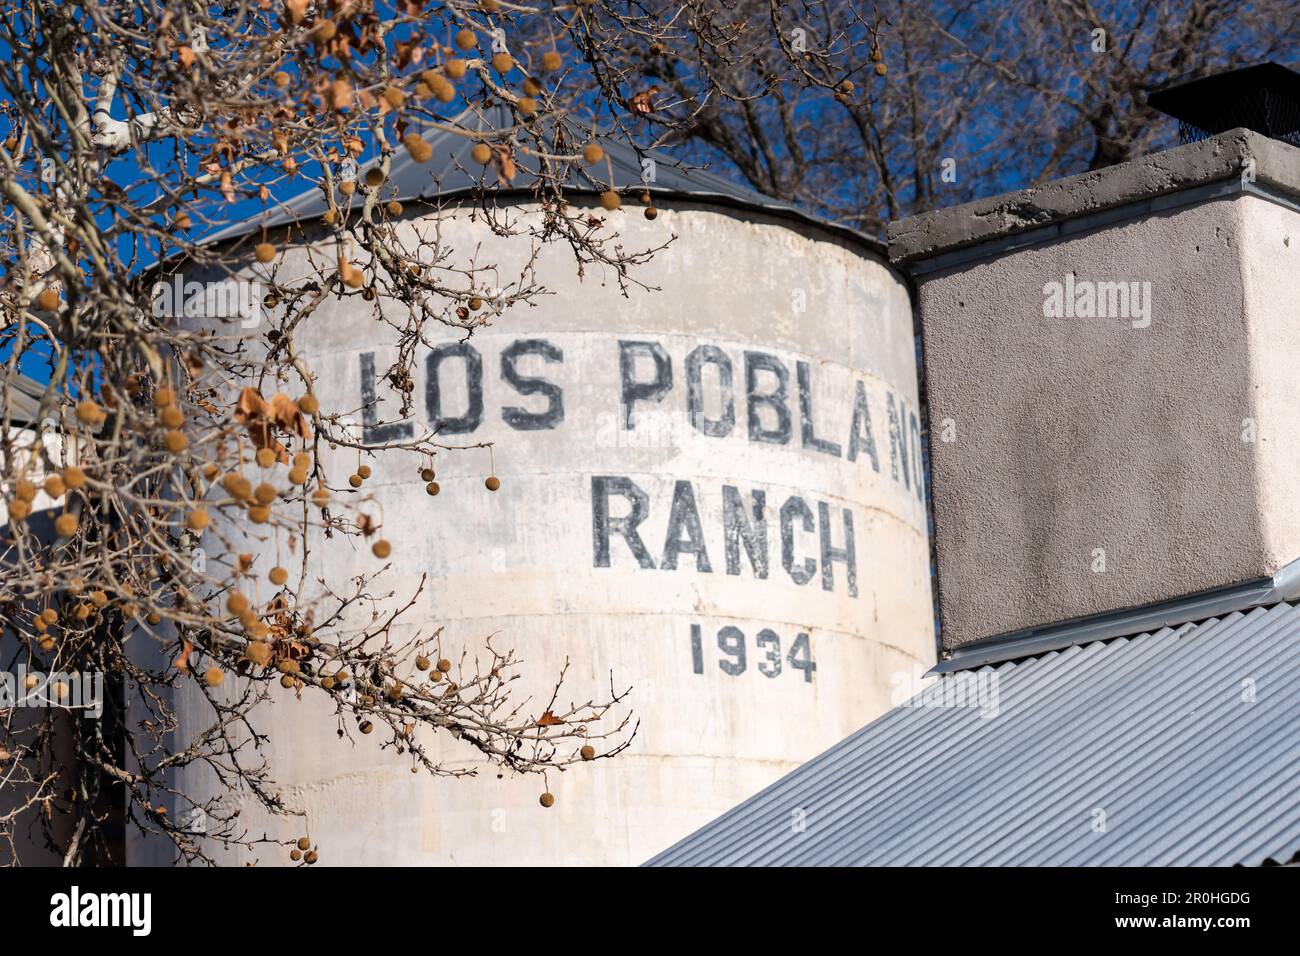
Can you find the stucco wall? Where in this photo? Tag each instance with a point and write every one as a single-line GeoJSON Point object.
{"type": "Point", "coordinates": [1079, 439]}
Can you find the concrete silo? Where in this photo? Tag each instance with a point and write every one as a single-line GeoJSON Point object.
{"type": "Point", "coordinates": [712, 492]}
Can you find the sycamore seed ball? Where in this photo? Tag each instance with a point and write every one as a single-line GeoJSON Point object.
{"type": "Point", "coordinates": [610, 200]}
{"type": "Point", "coordinates": [422, 663]}
{"type": "Point", "coordinates": [89, 413]}
{"type": "Point", "coordinates": [588, 752]}
{"type": "Point", "coordinates": [310, 858]}
{"type": "Point", "coordinates": [264, 251]}
{"type": "Point", "coordinates": [308, 405]}
{"type": "Point", "coordinates": [444, 665]}
{"type": "Point", "coordinates": [295, 855]}
{"type": "Point", "coordinates": [492, 483]}
{"type": "Point", "coordinates": [481, 153]}
{"type": "Point", "coordinates": [551, 61]}
{"type": "Point", "coordinates": [432, 488]}
{"type": "Point", "coordinates": [175, 441]}
{"type": "Point", "coordinates": [465, 39]}
{"type": "Point", "coordinates": [320, 497]}
{"type": "Point", "coordinates": [259, 514]}
{"type": "Point", "coordinates": [236, 603]}
{"type": "Point", "coordinates": [527, 105]}
{"type": "Point", "coordinates": [304, 843]}
{"type": "Point", "coordinates": [65, 525]}
{"type": "Point", "coordinates": [281, 79]}
{"type": "Point", "coordinates": [381, 548]}
{"type": "Point", "coordinates": [547, 800]}
{"type": "Point", "coordinates": [48, 300]}
{"type": "Point", "coordinates": [592, 153]}
{"type": "Point", "coordinates": [442, 89]}
{"type": "Point", "coordinates": [366, 727]}
{"type": "Point", "coordinates": [364, 471]}
{"type": "Point", "coordinates": [214, 677]}
{"type": "Point", "coordinates": [54, 486]}
{"type": "Point", "coordinates": [354, 481]}
{"type": "Point", "coordinates": [172, 417]}
{"type": "Point", "coordinates": [651, 212]}
{"type": "Point", "coordinates": [237, 486]}
{"type": "Point", "coordinates": [278, 576]}
{"type": "Point", "coordinates": [265, 458]}
{"type": "Point", "coordinates": [197, 519]}
{"type": "Point", "coordinates": [74, 477]}
{"type": "Point", "coordinates": [24, 490]}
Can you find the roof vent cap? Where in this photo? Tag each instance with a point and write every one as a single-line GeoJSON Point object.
{"type": "Point", "coordinates": [1264, 98]}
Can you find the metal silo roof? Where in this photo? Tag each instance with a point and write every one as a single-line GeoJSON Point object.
{"type": "Point", "coordinates": [451, 173]}
{"type": "Point", "coordinates": [1177, 747]}
{"type": "Point", "coordinates": [24, 398]}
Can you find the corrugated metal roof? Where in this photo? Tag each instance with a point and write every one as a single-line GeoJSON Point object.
{"type": "Point", "coordinates": [1178, 747]}
{"type": "Point", "coordinates": [450, 173]}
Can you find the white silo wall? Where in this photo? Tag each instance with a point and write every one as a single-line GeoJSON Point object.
{"type": "Point", "coordinates": [533, 564]}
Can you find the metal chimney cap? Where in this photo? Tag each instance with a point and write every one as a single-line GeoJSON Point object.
{"type": "Point", "coordinates": [1264, 98]}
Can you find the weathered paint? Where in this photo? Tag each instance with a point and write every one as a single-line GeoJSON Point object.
{"type": "Point", "coordinates": [710, 493]}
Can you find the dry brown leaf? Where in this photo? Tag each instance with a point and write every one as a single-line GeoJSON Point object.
{"type": "Point", "coordinates": [503, 160]}
{"type": "Point", "coordinates": [182, 663]}
{"type": "Point", "coordinates": [286, 414]}
{"type": "Point", "coordinates": [643, 103]}
{"type": "Point", "coordinates": [548, 719]}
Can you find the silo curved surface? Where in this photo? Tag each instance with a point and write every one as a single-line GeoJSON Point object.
{"type": "Point", "coordinates": [710, 493]}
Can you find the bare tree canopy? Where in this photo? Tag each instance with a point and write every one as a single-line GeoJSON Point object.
{"type": "Point", "coordinates": [863, 121]}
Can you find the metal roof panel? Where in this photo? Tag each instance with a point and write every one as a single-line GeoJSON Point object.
{"type": "Point", "coordinates": [1185, 739]}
